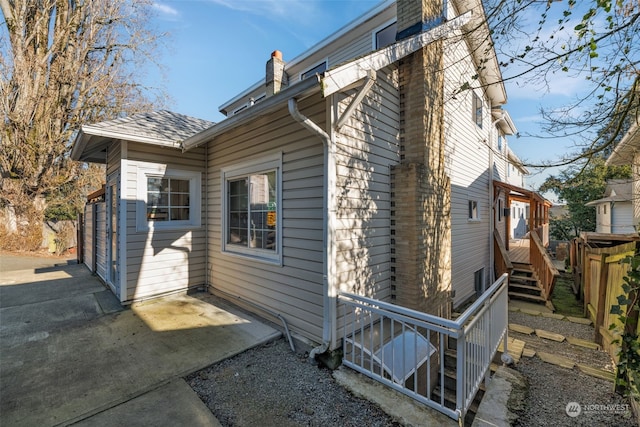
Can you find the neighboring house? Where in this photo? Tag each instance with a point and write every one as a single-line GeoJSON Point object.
{"type": "Point", "coordinates": [627, 152]}
{"type": "Point", "coordinates": [614, 212]}
{"type": "Point", "coordinates": [359, 166]}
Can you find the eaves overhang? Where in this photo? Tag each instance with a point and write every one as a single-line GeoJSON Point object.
{"type": "Point", "coordinates": [300, 90]}
{"type": "Point", "coordinates": [626, 149]}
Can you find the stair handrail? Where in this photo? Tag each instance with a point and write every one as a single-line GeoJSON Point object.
{"type": "Point", "coordinates": [502, 261]}
{"type": "Point", "coordinates": [542, 265]}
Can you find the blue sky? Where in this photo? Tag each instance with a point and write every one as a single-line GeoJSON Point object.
{"type": "Point", "coordinates": [217, 48]}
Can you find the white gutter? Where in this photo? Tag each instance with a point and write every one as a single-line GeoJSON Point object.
{"type": "Point", "coordinates": [328, 224]}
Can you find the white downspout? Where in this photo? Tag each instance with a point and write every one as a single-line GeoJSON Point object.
{"type": "Point", "coordinates": [328, 224]}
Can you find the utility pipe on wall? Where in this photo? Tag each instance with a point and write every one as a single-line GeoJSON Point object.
{"type": "Point", "coordinates": [328, 209]}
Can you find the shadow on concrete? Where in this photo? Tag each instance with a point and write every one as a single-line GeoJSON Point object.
{"type": "Point", "coordinates": [67, 357]}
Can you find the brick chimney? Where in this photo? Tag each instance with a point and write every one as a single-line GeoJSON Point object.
{"type": "Point", "coordinates": [414, 16]}
{"type": "Point", "coordinates": [276, 78]}
{"type": "Point", "coordinates": [421, 188]}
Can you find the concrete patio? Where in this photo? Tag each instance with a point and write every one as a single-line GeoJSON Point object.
{"type": "Point", "coordinates": [71, 354]}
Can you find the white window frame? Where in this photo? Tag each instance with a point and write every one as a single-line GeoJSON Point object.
{"type": "Point", "coordinates": [239, 170]}
{"type": "Point", "coordinates": [470, 211]}
{"type": "Point", "coordinates": [152, 170]}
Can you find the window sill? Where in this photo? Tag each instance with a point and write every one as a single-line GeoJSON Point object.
{"type": "Point", "coordinates": [275, 261]}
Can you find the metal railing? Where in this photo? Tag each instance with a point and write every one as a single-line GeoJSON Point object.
{"type": "Point", "coordinates": [405, 349]}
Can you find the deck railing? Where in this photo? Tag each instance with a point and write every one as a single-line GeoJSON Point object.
{"type": "Point", "coordinates": [542, 265]}
{"type": "Point", "coordinates": [405, 349]}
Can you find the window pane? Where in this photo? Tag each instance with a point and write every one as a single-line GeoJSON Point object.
{"type": "Point", "coordinates": [180, 200]}
{"type": "Point", "coordinates": [154, 184]}
{"type": "Point", "coordinates": [158, 199]}
{"type": "Point", "coordinates": [237, 213]}
{"type": "Point", "coordinates": [179, 214]}
{"type": "Point", "coordinates": [179, 185]}
{"type": "Point", "coordinates": [386, 36]}
{"type": "Point", "coordinates": [237, 236]}
{"type": "Point", "coordinates": [168, 199]}
{"type": "Point", "coordinates": [158, 214]}
{"type": "Point", "coordinates": [251, 211]}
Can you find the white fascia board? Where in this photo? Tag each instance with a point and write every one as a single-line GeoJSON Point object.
{"type": "Point", "coordinates": [507, 126]}
{"type": "Point", "coordinates": [345, 75]}
{"type": "Point", "coordinates": [89, 130]}
{"type": "Point", "coordinates": [78, 145]}
{"type": "Point", "coordinates": [628, 145]}
{"type": "Point", "coordinates": [300, 89]}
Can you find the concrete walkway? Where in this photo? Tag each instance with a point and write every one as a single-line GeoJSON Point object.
{"type": "Point", "coordinates": [70, 354]}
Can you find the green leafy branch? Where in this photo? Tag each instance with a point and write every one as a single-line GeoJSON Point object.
{"type": "Point", "coordinates": [628, 366]}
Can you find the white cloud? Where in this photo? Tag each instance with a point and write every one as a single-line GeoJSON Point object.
{"type": "Point", "coordinates": [165, 9]}
{"type": "Point", "coordinates": [274, 9]}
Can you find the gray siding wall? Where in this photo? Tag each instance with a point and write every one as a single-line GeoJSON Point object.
{"type": "Point", "coordinates": [622, 218]}
{"type": "Point", "coordinates": [295, 288]}
{"type": "Point", "coordinates": [468, 162]}
{"type": "Point", "coordinates": [161, 261]}
{"type": "Point", "coordinates": [367, 147]}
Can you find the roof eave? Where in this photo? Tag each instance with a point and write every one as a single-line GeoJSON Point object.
{"type": "Point", "coordinates": [299, 90]}
{"type": "Point", "coordinates": [342, 76]}
{"type": "Point", "coordinates": [628, 145]}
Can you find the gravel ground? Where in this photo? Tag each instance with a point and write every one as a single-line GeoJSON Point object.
{"type": "Point", "coordinates": [552, 388]}
{"type": "Point", "coordinates": [271, 386]}
{"type": "Point", "coordinates": [594, 358]}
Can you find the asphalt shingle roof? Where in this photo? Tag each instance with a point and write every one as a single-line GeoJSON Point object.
{"type": "Point", "coordinates": [161, 125]}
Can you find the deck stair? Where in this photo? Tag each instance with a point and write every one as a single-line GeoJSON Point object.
{"type": "Point", "coordinates": [524, 284]}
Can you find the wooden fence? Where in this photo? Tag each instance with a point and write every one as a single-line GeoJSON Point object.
{"type": "Point", "coordinates": [602, 278]}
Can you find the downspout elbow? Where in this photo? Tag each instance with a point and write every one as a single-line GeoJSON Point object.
{"type": "Point", "coordinates": [307, 122]}
{"type": "Point", "coordinates": [318, 350]}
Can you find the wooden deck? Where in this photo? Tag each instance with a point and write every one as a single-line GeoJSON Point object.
{"type": "Point", "coordinates": [519, 251]}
